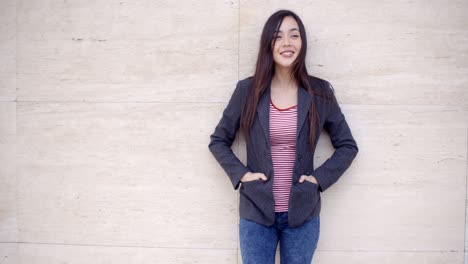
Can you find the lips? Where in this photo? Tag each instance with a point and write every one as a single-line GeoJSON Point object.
{"type": "Point", "coordinates": [287, 53]}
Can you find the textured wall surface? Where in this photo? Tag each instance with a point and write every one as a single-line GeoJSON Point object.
{"type": "Point", "coordinates": [106, 108]}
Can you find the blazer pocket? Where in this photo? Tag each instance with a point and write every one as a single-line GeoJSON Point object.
{"type": "Point", "coordinates": [305, 196]}
{"type": "Point", "coordinates": [309, 182]}
{"type": "Point", "coordinates": [256, 192]}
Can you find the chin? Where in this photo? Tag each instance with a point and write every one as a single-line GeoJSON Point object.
{"type": "Point", "coordinates": [285, 64]}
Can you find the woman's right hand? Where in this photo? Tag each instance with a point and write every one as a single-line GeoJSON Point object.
{"type": "Point", "coordinates": [251, 176]}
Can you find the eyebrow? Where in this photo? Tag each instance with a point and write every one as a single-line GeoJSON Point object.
{"type": "Point", "coordinates": [292, 29]}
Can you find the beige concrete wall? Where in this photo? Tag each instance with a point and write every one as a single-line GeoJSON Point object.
{"type": "Point", "coordinates": [107, 107]}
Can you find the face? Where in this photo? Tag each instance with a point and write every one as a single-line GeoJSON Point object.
{"type": "Point", "coordinates": [287, 45]}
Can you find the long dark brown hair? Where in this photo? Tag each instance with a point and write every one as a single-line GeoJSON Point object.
{"type": "Point", "coordinates": [265, 69]}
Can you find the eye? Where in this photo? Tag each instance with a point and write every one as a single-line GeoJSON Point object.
{"type": "Point", "coordinates": [295, 36]}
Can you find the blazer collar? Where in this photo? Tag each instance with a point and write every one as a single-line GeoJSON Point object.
{"type": "Point", "coordinates": [263, 109]}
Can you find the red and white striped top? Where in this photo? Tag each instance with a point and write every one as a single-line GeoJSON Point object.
{"type": "Point", "coordinates": [283, 129]}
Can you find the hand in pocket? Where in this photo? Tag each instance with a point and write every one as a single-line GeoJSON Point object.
{"type": "Point", "coordinates": [251, 176]}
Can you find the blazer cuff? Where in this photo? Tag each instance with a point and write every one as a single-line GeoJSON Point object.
{"type": "Point", "coordinates": [236, 178]}
{"type": "Point", "coordinates": [323, 180]}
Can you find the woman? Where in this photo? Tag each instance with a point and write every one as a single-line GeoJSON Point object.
{"type": "Point", "coordinates": [281, 111]}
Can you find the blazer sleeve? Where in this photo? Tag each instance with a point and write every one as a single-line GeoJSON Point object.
{"type": "Point", "coordinates": [223, 136]}
{"type": "Point", "coordinates": [345, 146]}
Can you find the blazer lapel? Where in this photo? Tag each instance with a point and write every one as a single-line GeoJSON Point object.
{"type": "Point", "coordinates": [263, 110]}
{"type": "Point", "coordinates": [303, 104]}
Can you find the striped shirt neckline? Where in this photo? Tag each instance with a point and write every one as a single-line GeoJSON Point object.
{"type": "Point", "coordinates": [281, 109]}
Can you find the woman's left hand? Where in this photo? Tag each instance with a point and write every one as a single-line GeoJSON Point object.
{"type": "Point", "coordinates": [308, 178]}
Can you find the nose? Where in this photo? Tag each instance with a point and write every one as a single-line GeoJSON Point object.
{"type": "Point", "coordinates": [286, 41]}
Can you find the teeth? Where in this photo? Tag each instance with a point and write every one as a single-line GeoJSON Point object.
{"type": "Point", "coordinates": [287, 53]}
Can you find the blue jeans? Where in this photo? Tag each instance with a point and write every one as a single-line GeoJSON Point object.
{"type": "Point", "coordinates": [297, 245]}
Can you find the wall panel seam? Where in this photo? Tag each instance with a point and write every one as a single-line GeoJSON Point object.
{"type": "Point", "coordinates": [466, 195]}
{"type": "Point", "coordinates": [122, 246]}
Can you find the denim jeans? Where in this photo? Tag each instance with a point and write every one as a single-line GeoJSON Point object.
{"type": "Point", "coordinates": [297, 245]}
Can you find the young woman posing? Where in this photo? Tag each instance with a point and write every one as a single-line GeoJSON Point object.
{"type": "Point", "coordinates": [281, 111]}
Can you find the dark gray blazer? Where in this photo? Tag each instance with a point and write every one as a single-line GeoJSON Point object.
{"type": "Point", "coordinates": [256, 201]}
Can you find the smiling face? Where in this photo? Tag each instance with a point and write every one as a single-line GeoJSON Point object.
{"type": "Point", "coordinates": [288, 42]}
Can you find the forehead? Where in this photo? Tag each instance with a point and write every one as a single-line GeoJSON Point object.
{"type": "Point", "coordinates": [288, 24]}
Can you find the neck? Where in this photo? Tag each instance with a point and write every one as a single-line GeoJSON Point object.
{"type": "Point", "coordinates": [283, 79]}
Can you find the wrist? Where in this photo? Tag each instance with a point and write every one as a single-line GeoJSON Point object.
{"type": "Point", "coordinates": [314, 179]}
{"type": "Point", "coordinates": [246, 175]}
